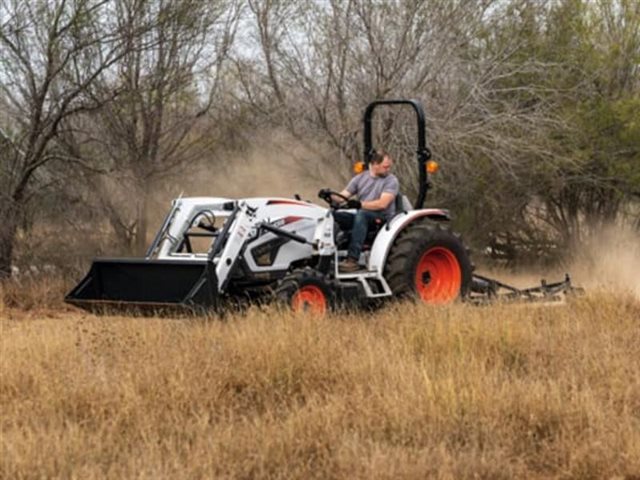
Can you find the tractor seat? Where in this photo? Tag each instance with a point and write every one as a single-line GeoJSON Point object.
{"type": "Point", "coordinates": [371, 234]}
{"type": "Point", "coordinates": [402, 205]}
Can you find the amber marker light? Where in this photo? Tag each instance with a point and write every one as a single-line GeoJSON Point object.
{"type": "Point", "coordinates": [432, 167]}
{"type": "Point", "coordinates": [358, 167]}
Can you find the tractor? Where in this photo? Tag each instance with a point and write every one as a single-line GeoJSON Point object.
{"type": "Point", "coordinates": [212, 252]}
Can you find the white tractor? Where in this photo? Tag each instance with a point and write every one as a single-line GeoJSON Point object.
{"type": "Point", "coordinates": [212, 251]}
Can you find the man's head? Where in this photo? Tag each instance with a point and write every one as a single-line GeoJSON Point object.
{"type": "Point", "coordinates": [380, 165]}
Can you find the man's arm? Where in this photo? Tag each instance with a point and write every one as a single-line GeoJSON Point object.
{"type": "Point", "coordinates": [345, 193]}
{"type": "Point", "coordinates": [380, 204]}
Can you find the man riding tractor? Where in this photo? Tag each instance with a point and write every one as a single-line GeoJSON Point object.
{"type": "Point", "coordinates": [376, 190]}
{"type": "Point", "coordinates": [261, 247]}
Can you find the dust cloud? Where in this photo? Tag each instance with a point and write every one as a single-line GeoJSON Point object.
{"type": "Point", "coordinates": [274, 167]}
{"type": "Point", "coordinates": [611, 261]}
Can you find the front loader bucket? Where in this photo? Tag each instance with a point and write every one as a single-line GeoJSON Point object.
{"type": "Point", "coordinates": [141, 284]}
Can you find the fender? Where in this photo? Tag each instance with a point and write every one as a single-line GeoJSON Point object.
{"type": "Point", "coordinates": [387, 235]}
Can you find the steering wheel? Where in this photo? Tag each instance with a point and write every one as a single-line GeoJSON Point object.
{"type": "Point", "coordinates": [326, 195]}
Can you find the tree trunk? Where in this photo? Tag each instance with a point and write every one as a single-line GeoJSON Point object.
{"type": "Point", "coordinates": [9, 216]}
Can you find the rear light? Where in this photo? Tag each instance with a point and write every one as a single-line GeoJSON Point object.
{"type": "Point", "coordinates": [432, 166]}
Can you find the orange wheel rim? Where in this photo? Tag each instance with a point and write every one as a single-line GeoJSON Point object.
{"type": "Point", "coordinates": [309, 299]}
{"type": "Point", "coordinates": [438, 276]}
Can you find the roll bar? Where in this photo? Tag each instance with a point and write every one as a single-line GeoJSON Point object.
{"type": "Point", "coordinates": [423, 152]}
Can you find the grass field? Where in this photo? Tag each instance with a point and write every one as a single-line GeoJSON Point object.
{"type": "Point", "coordinates": [407, 392]}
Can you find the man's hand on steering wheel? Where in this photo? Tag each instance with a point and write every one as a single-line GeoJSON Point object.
{"type": "Point", "coordinates": [353, 203]}
{"type": "Point", "coordinates": [328, 196]}
{"type": "Point", "coordinates": [324, 193]}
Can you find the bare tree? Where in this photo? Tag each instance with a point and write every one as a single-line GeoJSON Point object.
{"type": "Point", "coordinates": [50, 52]}
{"type": "Point", "coordinates": [162, 87]}
{"type": "Point", "coordinates": [324, 61]}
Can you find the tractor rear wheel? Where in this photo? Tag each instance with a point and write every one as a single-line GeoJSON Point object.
{"type": "Point", "coordinates": [306, 290]}
{"type": "Point", "coordinates": [429, 263]}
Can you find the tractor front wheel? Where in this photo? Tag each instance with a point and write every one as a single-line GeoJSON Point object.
{"type": "Point", "coordinates": [306, 290]}
{"type": "Point", "coordinates": [429, 263]}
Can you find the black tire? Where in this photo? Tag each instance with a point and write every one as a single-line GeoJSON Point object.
{"type": "Point", "coordinates": [430, 263]}
{"type": "Point", "coordinates": [306, 290]}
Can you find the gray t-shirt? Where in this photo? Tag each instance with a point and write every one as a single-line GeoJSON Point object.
{"type": "Point", "coordinates": [368, 187]}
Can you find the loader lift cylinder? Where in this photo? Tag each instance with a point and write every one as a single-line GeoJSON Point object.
{"type": "Point", "coordinates": [284, 233]}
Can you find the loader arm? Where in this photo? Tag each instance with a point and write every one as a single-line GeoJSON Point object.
{"type": "Point", "coordinates": [237, 229]}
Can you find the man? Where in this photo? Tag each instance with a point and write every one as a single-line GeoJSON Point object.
{"type": "Point", "coordinates": [376, 189]}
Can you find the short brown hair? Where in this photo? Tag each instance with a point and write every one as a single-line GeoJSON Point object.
{"type": "Point", "coordinates": [378, 156]}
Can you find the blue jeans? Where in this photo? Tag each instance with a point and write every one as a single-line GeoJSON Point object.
{"type": "Point", "coordinates": [359, 225]}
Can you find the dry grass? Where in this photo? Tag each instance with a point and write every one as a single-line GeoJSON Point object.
{"type": "Point", "coordinates": [38, 294]}
{"type": "Point", "coordinates": [408, 392]}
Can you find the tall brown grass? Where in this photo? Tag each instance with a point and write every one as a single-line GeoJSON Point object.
{"type": "Point", "coordinates": [407, 392]}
